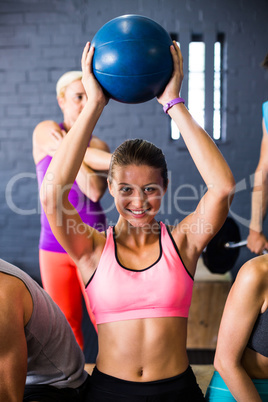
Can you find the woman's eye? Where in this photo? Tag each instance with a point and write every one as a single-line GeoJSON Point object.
{"type": "Point", "coordinates": [125, 189]}
{"type": "Point", "coordinates": [148, 189]}
{"type": "Point", "coordinates": [78, 98]}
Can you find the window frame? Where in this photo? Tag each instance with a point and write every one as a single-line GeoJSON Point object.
{"type": "Point", "coordinates": [209, 40]}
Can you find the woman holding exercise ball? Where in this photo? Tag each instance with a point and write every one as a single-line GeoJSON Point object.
{"type": "Point", "coordinates": [139, 274]}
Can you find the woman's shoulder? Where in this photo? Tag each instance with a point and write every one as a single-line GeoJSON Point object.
{"type": "Point", "coordinates": [41, 129]}
{"type": "Point", "coordinates": [45, 124]}
{"type": "Point", "coordinates": [41, 141]}
{"type": "Point", "coordinates": [254, 273]}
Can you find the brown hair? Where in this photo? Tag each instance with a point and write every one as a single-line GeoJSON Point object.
{"type": "Point", "coordinates": [265, 62]}
{"type": "Point", "coordinates": [139, 152]}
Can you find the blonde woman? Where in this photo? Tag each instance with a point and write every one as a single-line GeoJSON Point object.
{"type": "Point", "coordinates": [60, 276]}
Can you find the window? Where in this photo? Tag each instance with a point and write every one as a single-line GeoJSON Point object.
{"type": "Point", "coordinates": [196, 84]}
{"type": "Point", "coordinates": [217, 102]}
{"type": "Point", "coordinates": [198, 77]}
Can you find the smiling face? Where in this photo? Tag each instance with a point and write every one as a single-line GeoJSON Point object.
{"type": "Point", "coordinates": [137, 192]}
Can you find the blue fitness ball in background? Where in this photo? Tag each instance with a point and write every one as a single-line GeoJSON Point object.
{"type": "Point", "coordinates": [132, 59]}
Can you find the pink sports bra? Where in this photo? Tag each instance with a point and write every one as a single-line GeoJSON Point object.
{"type": "Point", "coordinates": [164, 289]}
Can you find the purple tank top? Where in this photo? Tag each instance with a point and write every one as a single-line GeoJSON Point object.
{"type": "Point", "coordinates": [90, 212]}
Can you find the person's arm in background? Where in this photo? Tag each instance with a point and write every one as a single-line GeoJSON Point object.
{"type": "Point", "coordinates": [93, 181]}
{"type": "Point", "coordinates": [47, 137]}
{"type": "Point", "coordinates": [244, 303]}
{"type": "Point", "coordinates": [13, 347]}
{"type": "Point", "coordinates": [98, 158]}
{"type": "Point", "coordinates": [257, 241]}
{"type": "Point", "coordinates": [92, 177]}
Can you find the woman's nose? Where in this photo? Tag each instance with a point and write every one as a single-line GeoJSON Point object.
{"type": "Point", "coordinates": [138, 199]}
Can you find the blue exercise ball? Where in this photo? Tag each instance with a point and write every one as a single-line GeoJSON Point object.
{"type": "Point", "coordinates": [132, 59]}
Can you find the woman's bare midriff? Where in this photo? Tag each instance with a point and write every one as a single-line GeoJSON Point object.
{"type": "Point", "coordinates": [142, 350]}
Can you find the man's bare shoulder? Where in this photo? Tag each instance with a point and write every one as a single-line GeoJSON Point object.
{"type": "Point", "coordinates": [14, 298]}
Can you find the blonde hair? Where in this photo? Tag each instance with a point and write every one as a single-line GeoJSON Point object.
{"type": "Point", "coordinates": [65, 80]}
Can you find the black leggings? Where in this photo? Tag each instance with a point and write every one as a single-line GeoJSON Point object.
{"type": "Point", "coordinates": [181, 388]}
{"type": "Point", "coordinates": [48, 393]}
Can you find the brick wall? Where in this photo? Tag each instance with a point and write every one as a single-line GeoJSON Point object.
{"type": "Point", "coordinates": [41, 39]}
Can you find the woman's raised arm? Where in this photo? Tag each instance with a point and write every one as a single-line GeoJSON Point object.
{"type": "Point", "coordinates": [212, 210]}
{"type": "Point", "coordinates": [66, 224]}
